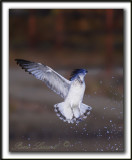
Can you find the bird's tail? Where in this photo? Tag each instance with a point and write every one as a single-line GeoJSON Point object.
{"type": "Point", "coordinates": [72, 115]}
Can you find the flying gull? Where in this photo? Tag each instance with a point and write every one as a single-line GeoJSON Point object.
{"type": "Point", "coordinates": [71, 110]}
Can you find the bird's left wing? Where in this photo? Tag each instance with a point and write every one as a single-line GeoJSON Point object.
{"type": "Point", "coordinates": [52, 79]}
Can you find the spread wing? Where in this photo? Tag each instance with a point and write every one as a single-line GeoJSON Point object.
{"type": "Point", "coordinates": [52, 79]}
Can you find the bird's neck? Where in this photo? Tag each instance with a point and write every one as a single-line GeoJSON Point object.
{"type": "Point", "coordinates": [79, 82]}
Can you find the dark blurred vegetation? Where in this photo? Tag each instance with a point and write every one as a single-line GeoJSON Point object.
{"type": "Point", "coordinates": [97, 34]}
{"type": "Point", "coordinates": [65, 39]}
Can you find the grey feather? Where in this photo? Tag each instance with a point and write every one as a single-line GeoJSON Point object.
{"type": "Point", "coordinates": [52, 79]}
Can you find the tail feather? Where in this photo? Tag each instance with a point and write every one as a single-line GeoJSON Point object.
{"type": "Point", "coordinates": [58, 110]}
{"type": "Point", "coordinates": [72, 115]}
{"type": "Point", "coordinates": [84, 109]}
{"type": "Point", "coordinates": [64, 112]}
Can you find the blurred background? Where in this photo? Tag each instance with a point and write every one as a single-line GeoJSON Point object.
{"type": "Point", "coordinates": [66, 39]}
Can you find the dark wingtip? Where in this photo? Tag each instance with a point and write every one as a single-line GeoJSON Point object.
{"type": "Point", "coordinates": [18, 60]}
{"type": "Point", "coordinates": [22, 61]}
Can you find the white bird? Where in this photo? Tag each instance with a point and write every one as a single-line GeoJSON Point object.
{"type": "Point", "coordinates": [71, 110]}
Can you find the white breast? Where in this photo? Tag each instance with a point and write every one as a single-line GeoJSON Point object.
{"type": "Point", "coordinates": [75, 95]}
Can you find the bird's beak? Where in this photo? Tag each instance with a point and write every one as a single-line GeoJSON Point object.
{"type": "Point", "coordinates": [81, 79]}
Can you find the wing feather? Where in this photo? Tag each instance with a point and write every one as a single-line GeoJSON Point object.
{"type": "Point", "coordinates": [52, 79]}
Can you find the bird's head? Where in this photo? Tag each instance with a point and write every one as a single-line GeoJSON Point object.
{"type": "Point", "coordinates": [78, 74]}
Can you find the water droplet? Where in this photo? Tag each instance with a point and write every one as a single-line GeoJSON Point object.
{"type": "Point", "coordinates": [120, 127]}
{"type": "Point", "coordinates": [108, 138]}
{"type": "Point", "coordinates": [112, 147]}
{"type": "Point", "coordinates": [108, 131]}
{"type": "Point", "coordinates": [105, 107]}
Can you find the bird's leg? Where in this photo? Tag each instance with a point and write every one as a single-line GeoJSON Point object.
{"type": "Point", "coordinates": [79, 107]}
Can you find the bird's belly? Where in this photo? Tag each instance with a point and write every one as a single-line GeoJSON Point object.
{"type": "Point", "coordinates": [75, 95]}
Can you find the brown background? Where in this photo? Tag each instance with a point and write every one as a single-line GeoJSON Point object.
{"type": "Point", "coordinates": [65, 40]}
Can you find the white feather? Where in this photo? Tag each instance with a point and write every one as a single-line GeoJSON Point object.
{"type": "Point", "coordinates": [72, 109]}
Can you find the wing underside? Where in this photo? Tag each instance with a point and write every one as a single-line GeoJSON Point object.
{"type": "Point", "coordinates": [52, 79]}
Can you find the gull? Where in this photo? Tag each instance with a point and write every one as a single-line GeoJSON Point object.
{"type": "Point", "coordinates": [71, 110]}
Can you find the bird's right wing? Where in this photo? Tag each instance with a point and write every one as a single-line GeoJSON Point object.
{"type": "Point", "coordinates": [52, 79]}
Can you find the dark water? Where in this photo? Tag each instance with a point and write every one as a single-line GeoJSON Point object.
{"type": "Point", "coordinates": [34, 125]}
